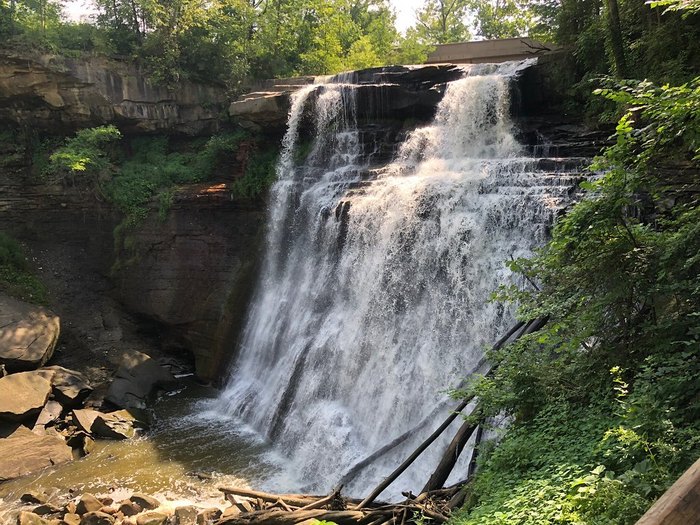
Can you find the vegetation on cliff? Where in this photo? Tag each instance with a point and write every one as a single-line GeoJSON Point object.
{"type": "Point", "coordinates": [133, 172]}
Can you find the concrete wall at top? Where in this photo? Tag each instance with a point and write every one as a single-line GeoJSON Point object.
{"type": "Point", "coordinates": [484, 51]}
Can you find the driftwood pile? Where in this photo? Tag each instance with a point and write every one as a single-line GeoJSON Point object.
{"type": "Point", "coordinates": [434, 502]}
{"type": "Point", "coordinates": [260, 508]}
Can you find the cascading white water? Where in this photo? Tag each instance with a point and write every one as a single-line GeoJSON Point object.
{"type": "Point", "coordinates": [374, 298]}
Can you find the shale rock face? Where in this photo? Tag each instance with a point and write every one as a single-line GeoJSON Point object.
{"type": "Point", "coordinates": [49, 92]}
{"type": "Point", "coordinates": [28, 334]}
{"type": "Point", "coordinates": [194, 272]}
{"type": "Point", "coordinates": [396, 92]}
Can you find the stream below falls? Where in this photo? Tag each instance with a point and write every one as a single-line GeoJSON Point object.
{"type": "Point", "coordinates": [189, 450]}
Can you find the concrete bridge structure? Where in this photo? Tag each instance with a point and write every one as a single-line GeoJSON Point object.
{"type": "Point", "coordinates": [483, 51]}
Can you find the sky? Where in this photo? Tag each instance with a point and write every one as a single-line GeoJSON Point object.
{"type": "Point", "coordinates": [405, 11]}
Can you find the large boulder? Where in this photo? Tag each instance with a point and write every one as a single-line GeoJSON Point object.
{"type": "Point", "coordinates": [122, 424]}
{"type": "Point", "coordinates": [260, 110]}
{"type": "Point", "coordinates": [87, 503]}
{"type": "Point", "coordinates": [29, 518]}
{"type": "Point", "coordinates": [28, 334]}
{"type": "Point", "coordinates": [23, 395]}
{"type": "Point", "coordinates": [84, 418]}
{"type": "Point", "coordinates": [115, 425]}
{"type": "Point", "coordinates": [137, 377]}
{"type": "Point", "coordinates": [23, 451]}
{"type": "Point", "coordinates": [96, 518]}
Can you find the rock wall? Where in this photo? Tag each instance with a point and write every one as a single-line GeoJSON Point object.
{"type": "Point", "coordinates": [188, 276]}
{"type": "Point", "coordinates": [194, 272]}
{"type": "Point", "coordinates": [52, 93]}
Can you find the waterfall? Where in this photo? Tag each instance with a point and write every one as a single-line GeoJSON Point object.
{"type": "Point", "coordinates": [374, 295]}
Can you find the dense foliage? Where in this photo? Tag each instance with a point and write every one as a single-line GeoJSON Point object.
{"type": "Point", "coordinates": [224, 40]}
{"type": "Point", "coordinates": [605, 400]}
{"type": "Point", "coordinates": [233, 41]}
{"type": "Point", "coordinates": [134, 174]}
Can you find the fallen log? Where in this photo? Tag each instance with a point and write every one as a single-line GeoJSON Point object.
{"type": "Point", "coordinates": [332, 497]}
{"type": "Point", "coordinates": [450, 457]}
{"type": "Point", "coordinates": [292, 500]}
{"type": "Point", "coordinates": [408, 461]}
{"type": "Point", "coordinates": [281, 517]}
{"type": "Point", "coordinates": [360, 465]}
{"type": "Point", "coordinates": [434, 503]}
{"type": "Point", "coordinates": [475, 452]}
{"type": "Point", "coordinates": [518, 330]}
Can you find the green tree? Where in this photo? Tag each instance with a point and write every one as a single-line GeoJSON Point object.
{"type": "Point", "coordinates": [362, 54]}
{"type": "Point", "coordinates": [687, 7]}
{"type": "Point", "coordinates": [619, 283]}
{"type": "Point", "coordinates": [85, 153]}
{"type": "Point", "coordinates": [442, 22]}
{"type": "Point", "coordinates": [411, 48]}
{"type": "Point", "coordinates": [125, 23]}
{"type": "Point", "coordinates": [503, 18]}
{"type": "Point", "coordinates": [616, 44]}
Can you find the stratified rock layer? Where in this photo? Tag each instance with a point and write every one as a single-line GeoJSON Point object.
{"type": "Point", "coordinates": [50, 92]}
{"type": "Point", "coordinates": [195, 272]}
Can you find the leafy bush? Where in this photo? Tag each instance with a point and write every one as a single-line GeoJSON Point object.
{"type": "Point", "coordinates": [259, 175]}
{"type": "Point", "coordinates": [84, 153]}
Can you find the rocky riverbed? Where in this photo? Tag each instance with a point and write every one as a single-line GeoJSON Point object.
{"type": "Point", "coordinates": [41, 508]}
{"type": "Point", "coordinates": [134, 424]}
{"type": "Point", "coordinates": [52, 414]}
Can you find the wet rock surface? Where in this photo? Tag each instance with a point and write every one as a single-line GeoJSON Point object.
{"type": "Point", "coordinates": [403, 92]}
{"type": "Point", "coordinates": [137, 509]}
{"type": "Point", "coordinates": [137, 377]}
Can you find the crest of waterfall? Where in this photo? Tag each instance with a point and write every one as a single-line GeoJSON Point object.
{"type": "Point", "coordinates": [374, 296]}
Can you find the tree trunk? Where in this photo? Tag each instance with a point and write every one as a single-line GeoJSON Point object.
{"type": "Point", "coordinates": [450, 457]}
{"type": "Point", "coordinates": [615, 35]}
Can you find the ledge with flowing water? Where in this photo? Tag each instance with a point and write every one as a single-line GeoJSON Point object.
{"type": "Point", "coordinates": [385, 242]}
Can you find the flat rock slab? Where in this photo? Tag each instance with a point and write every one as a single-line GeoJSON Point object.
{"type": "Point", "coordinates": [50, 413]}
{"type": "Point", "coordinates": [70, 388]}
{"type": "Point", "coordinates": [115, 425]}
{"type": "Point", "coordinates": [121, 424]}
{"type": "Point", "coordinates": [28, 334]}
{"type": "Point", "coordinates": [137, 377]}
{"type": "Point", "coordinates": [23, 452]}
{"type": "Point", "coordinates": [84, 418]}
{"type": "Point", "coordinates": [23, 395]}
